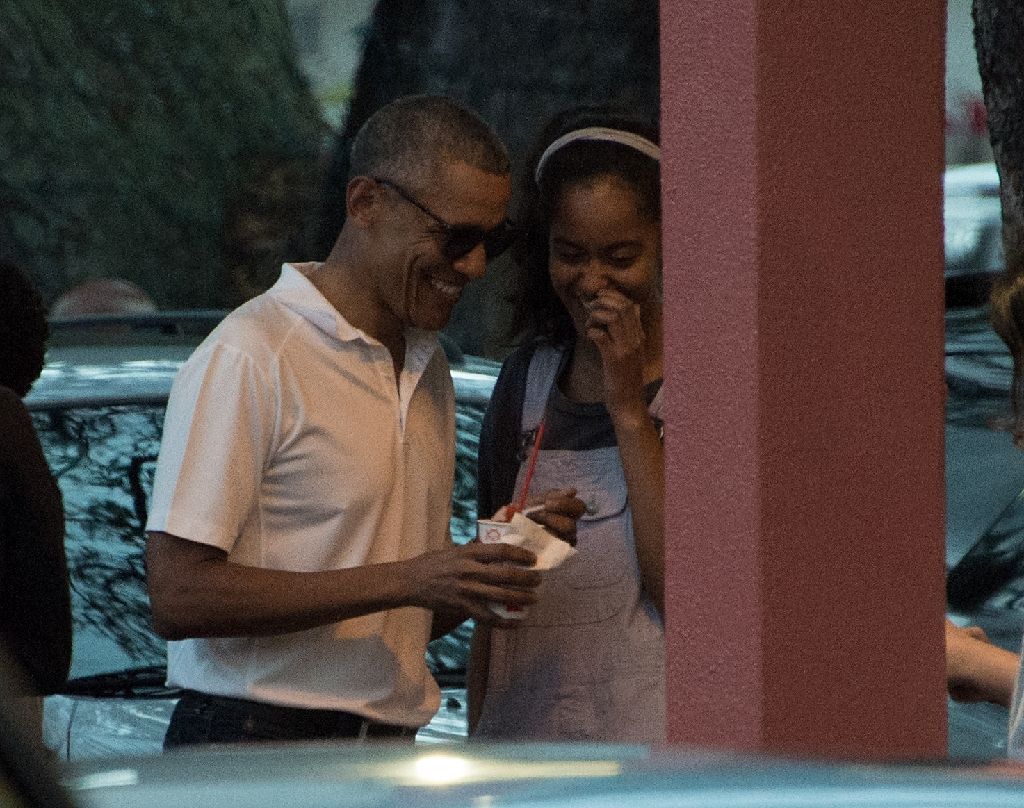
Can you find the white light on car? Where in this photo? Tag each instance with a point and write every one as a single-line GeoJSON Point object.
{"type": "Point", "coordinates": [446, 770]}
{"type": "Point", "coordinates": [961, 240]}
{"type": "Point", "coordinates": [442, 770]}
{"type": "Point", "coordinates": [113, 778]}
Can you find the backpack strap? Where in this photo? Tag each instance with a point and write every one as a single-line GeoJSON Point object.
{"type": "Point", "coordinates": [544, 366]}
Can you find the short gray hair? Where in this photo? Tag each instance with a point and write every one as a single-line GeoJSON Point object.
{"type": "Point", "coordinates": [409, 138]}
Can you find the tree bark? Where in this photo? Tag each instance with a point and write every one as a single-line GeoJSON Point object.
{"type": "Point", "coordinates": [999, 41]}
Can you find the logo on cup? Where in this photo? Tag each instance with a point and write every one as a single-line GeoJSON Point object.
{"type": "Point", "coordinates": [492, 535]}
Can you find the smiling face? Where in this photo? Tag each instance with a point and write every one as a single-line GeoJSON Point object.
{"type": "Point", "coordinates": [420, 286]}
{"type": "Point", "coordinates": [600, 239]}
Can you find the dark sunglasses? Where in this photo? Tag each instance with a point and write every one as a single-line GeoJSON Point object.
{"type": "Point", "coordinates": [458, 240]}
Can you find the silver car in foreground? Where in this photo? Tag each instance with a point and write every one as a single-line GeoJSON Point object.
{"type": "Point", "coordinates": [524, 776]}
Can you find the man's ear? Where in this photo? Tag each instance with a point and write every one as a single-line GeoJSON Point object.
{"type": "Point", "coordinates": [362, 195]}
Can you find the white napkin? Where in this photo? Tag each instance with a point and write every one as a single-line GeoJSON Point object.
{"type": "Point", "coordinates": [550, 550]}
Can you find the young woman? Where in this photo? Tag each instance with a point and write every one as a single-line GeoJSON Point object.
{"type": "Point", "coordinates": [588, 660]}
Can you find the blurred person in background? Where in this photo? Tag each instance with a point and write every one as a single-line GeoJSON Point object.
{"type": "Point", "coordinates": [587, 661]}
{"type": "Point", "coordinates": [35, 601]}
{"type": "Point", "coordinates": [102, 296]}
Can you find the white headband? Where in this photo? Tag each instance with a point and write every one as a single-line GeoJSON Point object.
{"type": "Point", "coordinates": [631, 139]}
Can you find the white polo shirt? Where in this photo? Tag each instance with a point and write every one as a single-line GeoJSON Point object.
{"type": "Point", "coordinates": [289, 444]}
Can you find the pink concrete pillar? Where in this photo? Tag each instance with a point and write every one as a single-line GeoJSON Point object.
{"type": "Point", "coordinates": [803, 275]}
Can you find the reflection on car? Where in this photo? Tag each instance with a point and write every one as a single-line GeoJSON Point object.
{"type": "Point", "coordinates": [99, 410]}
{"type": "Point", "coordinates": [972, 232]}
{"type": "Point", "coordinates": [973, 220]}
{"type": "Point", "coordinates": [522, 775]}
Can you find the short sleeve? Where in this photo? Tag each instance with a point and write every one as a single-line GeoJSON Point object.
{"type": "Point", "coordinates": [218, 433]}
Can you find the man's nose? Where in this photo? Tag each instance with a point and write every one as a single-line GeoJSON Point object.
{"type": "Point", "coordinates": [473, 264]}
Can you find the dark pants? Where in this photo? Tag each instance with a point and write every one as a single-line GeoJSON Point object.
{"type": "Point", "coordinates": [199, 718]}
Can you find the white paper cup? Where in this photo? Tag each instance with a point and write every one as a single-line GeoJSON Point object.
{"type": "Point", "coordinates": [490, 531]}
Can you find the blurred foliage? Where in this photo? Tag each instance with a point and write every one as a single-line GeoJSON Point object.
{"type": "Point", "coordinates": [129, 127]}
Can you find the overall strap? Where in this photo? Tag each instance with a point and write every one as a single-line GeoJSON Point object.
{"type": "Point", "coordinates": [544, 365]}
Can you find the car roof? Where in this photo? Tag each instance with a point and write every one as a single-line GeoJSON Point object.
{"type": "Point", "coordinates": [107, 360]}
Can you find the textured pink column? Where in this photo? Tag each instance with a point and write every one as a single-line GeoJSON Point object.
{"type": "Point", "coordinates": [803, 275]}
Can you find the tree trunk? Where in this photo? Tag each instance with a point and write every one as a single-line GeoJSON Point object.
{"type": "Point", "coordinates": [999, 40]}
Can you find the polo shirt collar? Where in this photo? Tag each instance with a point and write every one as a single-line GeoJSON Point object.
{"type": "Point", "coordinates": [297, 292]}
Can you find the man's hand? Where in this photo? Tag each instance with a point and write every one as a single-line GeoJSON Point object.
{"type": "Point", "coordinates": [469, 577]}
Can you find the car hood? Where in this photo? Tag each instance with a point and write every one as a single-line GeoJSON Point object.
{"type": "Point", "coordinates": [537, 775]}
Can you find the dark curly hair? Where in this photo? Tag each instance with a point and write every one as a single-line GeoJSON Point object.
{"type": "Point", "coordinates": [23, 330]}
{"type": "Point", "coordinates": [537, 306]}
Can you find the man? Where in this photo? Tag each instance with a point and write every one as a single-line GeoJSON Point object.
{"type": "Point", "coordinates": [298, 534]}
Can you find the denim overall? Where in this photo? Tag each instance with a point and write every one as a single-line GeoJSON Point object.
{"type": "Point", "coordinates": [587, 662]}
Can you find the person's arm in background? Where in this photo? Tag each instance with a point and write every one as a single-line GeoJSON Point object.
{"type": "Point", "coordinates": [977, 669]}
{"type": "Point", "coordinates": [35, 610]}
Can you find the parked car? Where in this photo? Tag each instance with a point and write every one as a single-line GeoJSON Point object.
{"type": "Point", "coordinates": [972, 219]}
{"type": "Point", "coordinates": [99, 409]}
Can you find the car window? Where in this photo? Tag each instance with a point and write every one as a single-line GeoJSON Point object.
{"type": "Point", "coordinates": [104, 458]}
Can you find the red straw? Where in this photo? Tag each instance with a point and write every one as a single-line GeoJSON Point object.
{"type": "Point", "coordinates": [529, 469]}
